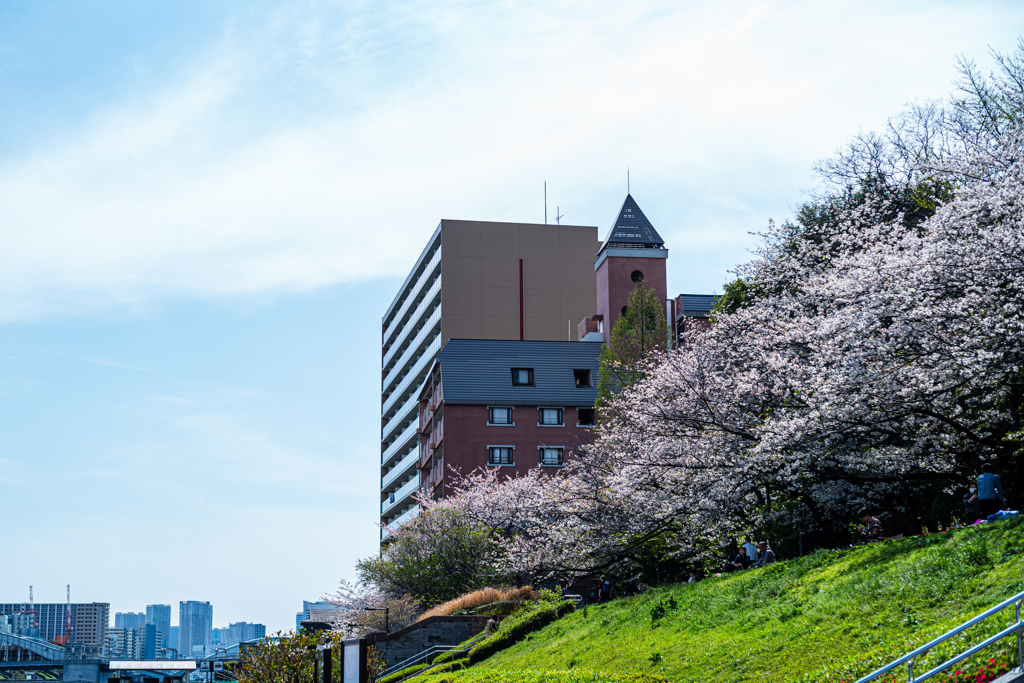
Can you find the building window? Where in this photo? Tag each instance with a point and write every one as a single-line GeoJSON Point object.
{"type": "Point", "coordinates": [585, 417]}
{"type": "Point", "coordinates": [550, 457]}
{"type": "Point", "coordinates": [500, 455]}
{"type": "Point", "coordinates": [551, 417]}
{"type": "Point", "coordinates": [624, 309]}
{"type": "Point", "coordinates": [522, 377]}
{"type": "Point", "coordinates": [499, 416]}
{"type": "Point", "coordinates": [636, 276]}
{"type": "Point", "coordinates": [582, 378]}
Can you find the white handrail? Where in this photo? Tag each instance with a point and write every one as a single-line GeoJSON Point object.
{"type": "Point", "coordinates": [908, 659]}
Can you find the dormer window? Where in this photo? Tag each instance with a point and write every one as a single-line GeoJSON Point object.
{"type": "Point", "coordinates": [582, 377]}
{"type": "Point", "coordinates": [522, 377]}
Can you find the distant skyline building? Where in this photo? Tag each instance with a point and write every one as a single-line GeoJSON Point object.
{"type": "Point", "coordinates": [195, 626]}
{"type": "Point", "coordinates": [307, 606]}
{"type": "Point", "coordinates": [129, 619]}
{"type": "Point", "coordinates": [160, 616]}
{"type": "Point", "coordinates": [89, 621]}
{"type": "Point", "coordinates": [473, 280]}
{"type": "Point", "coordinates": [172, 640]}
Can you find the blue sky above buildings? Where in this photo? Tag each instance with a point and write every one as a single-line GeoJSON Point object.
{"type": "Point", "coordinates": [206, 207]}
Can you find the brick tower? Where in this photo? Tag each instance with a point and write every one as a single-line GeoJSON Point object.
{"type": "Point", "coordinates": [632, 251]}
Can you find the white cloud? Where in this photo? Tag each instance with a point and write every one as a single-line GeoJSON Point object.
{"type": "Point", "coordinates": [324, 145]}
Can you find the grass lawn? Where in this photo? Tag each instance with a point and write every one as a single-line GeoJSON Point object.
{"type": "Point", "coordinates": [830, 616]}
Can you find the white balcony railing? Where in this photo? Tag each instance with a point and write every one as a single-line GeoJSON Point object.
{"type": "Point", "coordinates": [398, 444]}
{"type": "Point", "coordinates": [412, 380]}
{"type": "Point", "coordinates": [421, 310]}
{"type": "Point", "coordinates": [399, 521]}
{"type": "Point", "coordinates": [400, 317]}
{"type": "Point", "coordinates": [399, 496]}
{"type": "Point", "coordinates": [401, 468]}
{"type": "Point", "coordinates": [416, 345]}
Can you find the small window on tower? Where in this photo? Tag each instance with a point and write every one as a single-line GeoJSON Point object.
{"type": "Point", "coordinates": [636, 275]}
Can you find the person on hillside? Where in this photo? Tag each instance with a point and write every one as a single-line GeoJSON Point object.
{"type": "Point", "coordinates": [751, 549]}
{"type": "Point", "coordinates": [765, 555]}
{"type": "Point", "coordinates": [604, 590]}
{"type": "Point", "coordinates": [990, 491]}
{"type": "Point", "coordinates": [742, 560]}
{"type": "Point", "coordinates": [693, 576]}
{"type": "Point", "coordinates": [872, 530]}
{"type": "Point", "coordinates": [972, 505]}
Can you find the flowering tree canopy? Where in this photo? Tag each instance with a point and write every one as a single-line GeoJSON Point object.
{"type": "Point", "coordinates": [873, 346]}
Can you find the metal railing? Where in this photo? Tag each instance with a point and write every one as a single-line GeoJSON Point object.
{"type": "Point", "coordinates": [909, 658]}
{"type": "Point", "coordinates": [426, 654]}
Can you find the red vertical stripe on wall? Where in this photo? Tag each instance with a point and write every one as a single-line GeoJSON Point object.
{"type": "Point", "coordinates": [521, 330]}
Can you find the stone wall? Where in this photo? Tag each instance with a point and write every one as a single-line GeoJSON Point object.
{"type": "Point", "coordinates": [416, 638]}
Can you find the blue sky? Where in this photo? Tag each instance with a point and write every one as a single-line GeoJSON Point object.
{"type": "Point", "coordinates": [206, 207]}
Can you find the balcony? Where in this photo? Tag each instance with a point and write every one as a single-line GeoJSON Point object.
{"type": "Point", "coordinates": [399, 496]}
{"type": "Point", "coordinates": [435, 399]}
{"type": "Point", "coordinates": [436, 436]}
{"type": "Point", "coordinates": [399, 521]}
{"type": "Point", "coordinates": [399, 443]}
{"type": "Point", "coordinates": [398, 470]}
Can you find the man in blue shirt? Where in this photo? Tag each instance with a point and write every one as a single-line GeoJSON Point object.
{"type": "Point", "coordinates": [990, 491]}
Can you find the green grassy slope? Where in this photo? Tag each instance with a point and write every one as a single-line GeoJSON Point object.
{"type": "Point", "coordinates": [824, 617]}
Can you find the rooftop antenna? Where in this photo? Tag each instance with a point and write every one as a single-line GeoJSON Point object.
{"type": "Point", "coordinates": [67, 617]}
{"type": "Point", "coordinates": [558, 217]}
{"type": "Point", "coordinates": [32, 603]}
{"type": "Point", "coordinates": [545, 202]}
{"type": "Point", "coordinates": [627, 180]}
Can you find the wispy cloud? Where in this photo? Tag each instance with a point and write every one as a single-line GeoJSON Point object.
{"type": "Point", "coordinates": [319, 146]}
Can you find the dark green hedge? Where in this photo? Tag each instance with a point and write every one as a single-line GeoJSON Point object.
{"type": "Point", "coordinates": [516, 628]}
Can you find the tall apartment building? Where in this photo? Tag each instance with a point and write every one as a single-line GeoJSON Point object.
{"type": "Point", "coordinates": [195, 625]}
{"type": "Point", "coordinates": [160, 616]}
{"type": "Point", "coordinates": [129, 619]}
{"type": "Point", "coordinates": [89, 621]}
{"type": "Point", "coordinates": [140, 642]}
{"type": "Point", "coordinates": [473, 280]}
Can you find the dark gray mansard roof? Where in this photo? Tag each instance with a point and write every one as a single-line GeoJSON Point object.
{"type": "Point", "coordinates": [697, 305]}
{"type": "Point", "coordinates": [632, 229]}
{"type": "Point", "coordinates": [479, 372]}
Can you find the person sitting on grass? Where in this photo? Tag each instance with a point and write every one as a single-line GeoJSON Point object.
{"type": "Point", "coordinates": [972, 505]}
{"type": "Point", "coordinates": [742, 560]}
{"type": "Point", "coordinates": [765, 555]}
{"type": "Point", "coordinates": [693, 576]}
{"type": "Point", "coordinates": [872, 529]}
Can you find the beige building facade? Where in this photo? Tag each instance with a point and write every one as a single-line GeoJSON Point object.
{"type": "Point", "coordinates": [473, 280]}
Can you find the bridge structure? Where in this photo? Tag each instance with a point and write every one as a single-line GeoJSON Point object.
{"type": "Point", "coordinates": [23, 657]}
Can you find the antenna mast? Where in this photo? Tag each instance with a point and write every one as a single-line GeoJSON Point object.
{"type": "Point", "coordinates": [558, 216]}
{"type": "Point", "coordinates": [627, 180]}
{"type": "Point", "coordinates": [67, 617]}
{"type": "Point", "coordinates": [545, 202]}
{"type": "Point", "coordinates": [32, 611]}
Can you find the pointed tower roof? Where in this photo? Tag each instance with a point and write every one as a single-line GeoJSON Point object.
{"type": "Point", "coordinates": [631, 229]}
